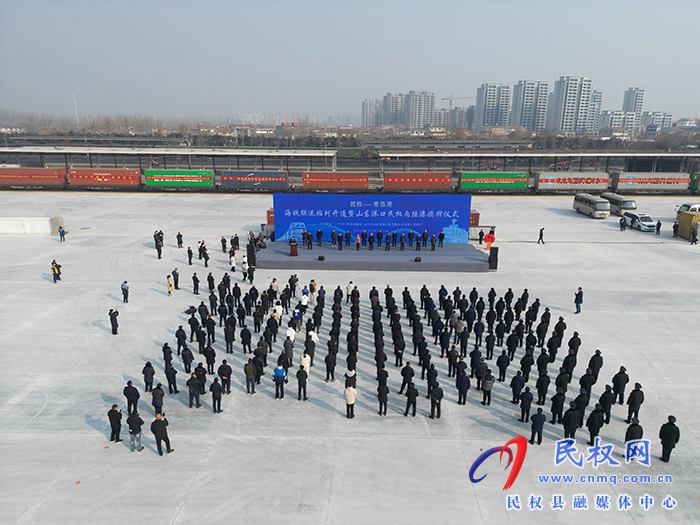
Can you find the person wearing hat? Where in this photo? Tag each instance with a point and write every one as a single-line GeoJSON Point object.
{"type": "Point", "coordinates": [571, 420]}
{"type": "Point", "coordinates": [537, 426]}
{"type": "Point", "coordinates": [587, 380]}
{"type": "Point", "coordinates": [578, 300]}
{"type": "Point", "coordinates": [595, 422]}
{"type": "Point", "coordinates": [634, 401]}
{"type": "Point", "coordinates": [619, 382]}
{"type": "Point", "coordinates": [634, 431]}
{"type": "Point", "coordinates": [558, 405]}
{"type": "Point", "coordinates": [562, 380]}
{"type": "Point", "coordinates": [436, 395]}
{"type": "Point", "coordinates": [582, 401]}
{"type": "Point", "coordinates": [525, 404]}
{"type": "Point", "coordinates": [669, 436]}
{"type": "Point", "coordinates": [607, 400]}
{"type": "Point", "coordinates": [595, 363]}
{"type": "Point", "coordinates": [542, 385]}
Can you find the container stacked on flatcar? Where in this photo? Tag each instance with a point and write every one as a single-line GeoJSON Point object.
{"type": "Point", "coordinates": [425, 181]}
{"type": "Point", "coordinates": [178, 178]}
{"type": "Point", "coordinates": [494, 181]}
{"type": "Point", "coordinates": [335, 180]}
{"type": "Point", "coordinates": [253, 180]}
{"type": "Point", "coordinates": [652, 182]}
{"type": "Point", "coordinates": [33, 177]}
{"type": "Point", "coordinates": [571, 181]}
{"type": "Point", "coordinates": [104, 178]}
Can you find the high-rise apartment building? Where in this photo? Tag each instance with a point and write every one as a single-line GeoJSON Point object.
{"type": "Point", "coordinates": [420, 107]}
{"type": "Point", "coordinates": [570, 105]}
{"type": "Point", "coordinates": [492, 106]}
{"type": "Point", "coordinates": [370, 112]}
{"type": "Point", "coordinates": [656, 118]}
{"type": "Point", "coordinates": [463, 118]}
{"type": "Point", "coordinates": [393, 109]}
{"type": "Point", "coordinates": [634, 101]}
{"type": "Point", "coordinates": [441, 117]}
{"type": "Point", "coordinates": [617, 119]}
{"type": "Point", "coordinates": [594, 110]}
{"type": "Point", "coordinates": [530, 105]}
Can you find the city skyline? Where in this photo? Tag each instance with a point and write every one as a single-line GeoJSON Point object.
{"type": "Point", "coordinates": [212, 57]}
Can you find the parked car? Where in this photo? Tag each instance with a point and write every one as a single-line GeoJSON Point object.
{"type": "Point", "coordinates": [686, 207]}
{"type": "Point", "coordinates": [640, 221]}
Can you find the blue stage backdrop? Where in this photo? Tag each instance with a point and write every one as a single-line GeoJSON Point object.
{"type": "Point", "coordinates": [296, 212]}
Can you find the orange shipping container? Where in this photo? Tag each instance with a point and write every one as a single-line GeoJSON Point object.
{"type": "Point", "coordinates": [32, 177]}
{"type": "Point", "coordinates": [104, 178]}
{"type": "Point", "coordinates": [335, 180]}
{"type": "Point", "coordinates": [417, 181]}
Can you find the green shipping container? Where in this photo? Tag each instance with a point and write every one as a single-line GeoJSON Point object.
{"type": "Point", "coordinates": [493, 180]}
{"type": "Point", "coordinates": [694, 179]}
{"type": "Point", "coordinates": [179, 178]}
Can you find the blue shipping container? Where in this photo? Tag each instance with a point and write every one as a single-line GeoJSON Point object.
{"type": "Point", "coordinates": [253, 179]}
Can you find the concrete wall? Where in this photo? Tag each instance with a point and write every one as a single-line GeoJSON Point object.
{"type": "Point", "coordinates": [30, 225]}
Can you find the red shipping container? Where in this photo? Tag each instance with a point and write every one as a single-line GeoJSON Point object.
{"type": "Point", "coordinates": [271, 216]}
{"type": "Point", "coordinates": [104, 178]}
{"type": "Point", "coordinates": [335, 180]}
{"type": "Point", "coordinates": [32, 177]}
{"type": "Point", "coordinates": [474, 218]}
{"type": "Point", "coordinates": [418, 181]}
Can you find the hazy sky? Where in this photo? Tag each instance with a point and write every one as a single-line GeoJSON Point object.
{"type": "Point", "coordinates": [206, 57]}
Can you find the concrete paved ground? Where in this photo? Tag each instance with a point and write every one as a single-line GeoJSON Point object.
{"type": "Point", "coordinates": [266, 461]}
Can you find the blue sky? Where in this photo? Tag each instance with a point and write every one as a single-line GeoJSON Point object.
{"type": "Point", "coordinates": [203, 58]}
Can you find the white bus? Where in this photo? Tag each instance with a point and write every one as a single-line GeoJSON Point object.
{"type": "Point", "coordinates": [591, 205]}
{"type": "Point", "coordinates": [619, 204]}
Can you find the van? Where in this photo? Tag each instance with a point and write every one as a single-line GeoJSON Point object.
{"type": "Point", "coordinates": [591, 205]}
{"type": "Point", "coordinates": [686, 207]}
{"type": "Point", "coordinates": [619, 204]}
{"type": "Point", "coordinates": [639, 221]}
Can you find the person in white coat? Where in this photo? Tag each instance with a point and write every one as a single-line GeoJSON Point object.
{"type": "Point", "coordinates": [305, 361]}
{"type": "Point", "coordinates": [348, 291]}
{"type": "Point", "coordinates": [232, 262]}
{"type": "Point", "coordinates": [350, 396]}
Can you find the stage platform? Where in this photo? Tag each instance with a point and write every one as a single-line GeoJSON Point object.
{"type": "Point", "coordinates": [449, 258]}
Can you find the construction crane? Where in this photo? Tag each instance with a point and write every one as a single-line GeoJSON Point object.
{"type": "Point", "coordinates": [452, 97]}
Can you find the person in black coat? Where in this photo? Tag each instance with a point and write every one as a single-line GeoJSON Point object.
{"type": "Point", "coordinates": [502, 363]}
{"type": "Point", "coordinates": [195, 284]}
{"type": "Point", "coordinates": [210, 356]}
{"type": "Point", "coordinates": [181, 337]}
{"type": "Point", "coordinates": [132, 397]}
{"type": "Point", "coordinates": [330, 361]}
{"type": "Point", "coordinates": [542, 385]}
{"type": "Point", "coordinates": [302, 378]}
{"type": "Point", "coordinates": [669, 434]}
{"type": "Point", "coordinates": [595, 422]}
{"type": "Point", "coordinates": [571, 420]}
{"type": "Point", "coordinates": [525, 404]}
{"type": "Point", "coordinates": [115, 422]}
{"type": "Point", "coordinates": [383, 392]}
{"type": "Point", "coordinates": [224, 372]}
{"type": "Point", "coordinates": [187, 359]}
{"type": "Point", "coordinates": [135, 422]}
{"type": "Point", "coordinates": [619, 382]}
{"type": "Point", "coordinates": [113, 314]}
{"type": "Point", "coordinates": [194, 388]}
{"type": "Point", "coordinates": [407, 374]}
{"type": "Point", "coordinates": [436, 395]}
{"type": "Point", "coordinates": [148, 373]}
{"type": "Point", "coordinates": [516, 385]}
{"type": "Point", "coordinates": [245, 339]}
{"type": "Point", "coordinates": [634, 402]}
{"type": "Point", "coordinates": [537, 426]}
{"type": "Point", "coordinates": [160, 432]}
{"type": "Point", "coordinates": [201, 374]}
{"type": "Point", "coordinates": [607, 400]}
{"type": "Point", "coordinates": [170, 375]}
{"type": "Point", "coordinates": [411, 399]}
{"type": "Point", "coordinates": [558, 406]}
{"type": "Point", "coordinates": [595, 364]}
{"type": "Point", "coordinates": [634, 431]}
{"type": "Point", "coordinates": [463, 385]}
{"type": "Point", "coordinates": [582, 401]}
{"type": "Point", "coordinates": [216, 391]}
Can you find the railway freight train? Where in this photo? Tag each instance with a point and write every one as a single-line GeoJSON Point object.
{"type": "Point", "coordinates": [489, 182]}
